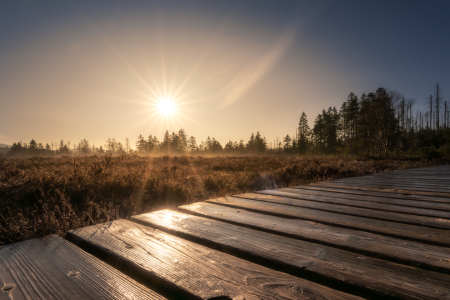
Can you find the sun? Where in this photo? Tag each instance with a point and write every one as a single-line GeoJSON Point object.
{"type": "Point", "coordinates": [166, 107]}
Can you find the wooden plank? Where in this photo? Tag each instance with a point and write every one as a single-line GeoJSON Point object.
{"type": "Point", "coordinates": [296, 194]}
{"type": "Point", "coordinates": [398, 189]}
{"type": "Point", "coordinates": [436, 168]}
{"type": "Point", "coordinates": [408, 177]}
{"type": "Point", "coordinates": [391, 185]}
{"type": "Point", "coordinates": [375, 245]}
{"type": "Point", "coordinates": [405, 231]}
{"type": "Point", "coordinates": [349, 210]}
{"type": "Point", "coordinates": [391, 201]}
{"type": "Point", "coordinates": [401, 177]}
{"type": "Point", "coordinates": [397, 178]}
{"type": "Point", "coordinates": [389, 190]}
{"type": "Point", "coordinates": [425, 170]}
{"type": "Point", "coordinates": [52, 268]}
{"type": "Point", "coordinates": [395, 183]}
{"type": "Point", "coordinates": [195, 269]}
{"type": "Point", "coordinates": [371, 193]}
{"type": "Point", "coordinates": [375, 275]}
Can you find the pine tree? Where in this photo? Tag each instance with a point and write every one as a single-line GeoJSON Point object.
{"type": "Point", "coordinates": [192, 144]}
{"type": "Point", "coordinates": [303, 134]}
{"type": "Point", "coordinates": [287, 143]}
{"type": "Point", "coordinates": [140, 144]}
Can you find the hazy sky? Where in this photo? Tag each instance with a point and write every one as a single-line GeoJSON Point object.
{"type": "Point", "coordinates": [95, 69]}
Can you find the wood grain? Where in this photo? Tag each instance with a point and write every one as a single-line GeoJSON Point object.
{"type": "Point", "coordinates": [398, 230]}
{"type": "Point", "coordinates": [369, 198]}
{"type": "Point", "coordinates": [431, 181]}
{"type": "Point", "coordinates": [375, 245]}
{"type": "Point", "coordinates": [378, 276]}
{"type": "Point", "coordinates": [433, 222]}
{"type": "Point", "coordinates": [390, 189]}
{"type": "Point", "coordinates": [198, 270]}
{"type": "Point", "coordinates": [52, 268]}
{"type": "Point", "coordinates": [390, 185]}
{"type": "Point", "coordinates": [294, 193]}
{"type": "Point", "coordinates": [373, 193]}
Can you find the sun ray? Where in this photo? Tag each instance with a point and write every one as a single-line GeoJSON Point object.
{"type": "Point", "coordinates": [151, 76]}
{"type": "Point", "coordinates": [212, 43]}
{"type": "Point", "coordinates": [162, 56]}
{"type": "Point", "coordinates": [126, 63]}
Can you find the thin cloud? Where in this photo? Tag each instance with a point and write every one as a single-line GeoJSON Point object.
{"type": "Point", "coordinates": [248, 77]}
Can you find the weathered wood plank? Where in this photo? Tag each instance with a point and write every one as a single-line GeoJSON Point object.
{"type": "Point", "coordinates": [407, 176]}
{"type": "Point", "coordinates": [52, 268]}
{"type": "Point", "coordinates": [389, 190]}
{"type": "Point", "coordinates": [421, 180]}
{"type": "Point", "coordinates": [437, 168]}
{"type": "Point", "coordinates": [372, 193]}
{"type": "Point", "coordinates": [293, 193]}
{"type": "Point", "coordinates": [353, 211]}
{"type": "Point", "coordinates": [404, 175]}
{"type": "Point", "coordinates": [398, 230]}
{"type": "Point", "coordinates": [197, 270]}
{"type": "Point", "coordinates": [379, 246]}
{"type": "Point", "coordinates": [391, 184]}
{"type": "Point", "coordinates": [366, 198]}
{"type": "Point", "coordinates": [378, 276]}
{"type": "Point", "coordinates": [395, 184]}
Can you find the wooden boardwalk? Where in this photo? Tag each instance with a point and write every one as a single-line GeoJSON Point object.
{"type": "Point", "coordinates": [380, 236]}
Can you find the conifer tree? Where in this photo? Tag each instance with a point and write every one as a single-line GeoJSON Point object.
{"type": "Point", "coordinates": [303, 134]}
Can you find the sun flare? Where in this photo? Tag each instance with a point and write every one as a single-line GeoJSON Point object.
{"type": "Point", "coordinates": [166, 107]}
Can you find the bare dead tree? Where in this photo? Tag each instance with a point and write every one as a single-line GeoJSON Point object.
{"type": "Point", "coordinates": [421, 121]}
{"type": "Point", "coordinates": [445, 115]}
{"type": "Point", "coordinates": [402, 113]}
{"type": "Point", "coordinates": [431, 112]}
{"type": "Point", "coordinates": [438, 99]}
{"type": "Point", "coordinates": [411, 102]}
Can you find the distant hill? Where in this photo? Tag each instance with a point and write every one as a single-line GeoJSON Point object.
{"type": "Point", "coordinates": [4, 146]}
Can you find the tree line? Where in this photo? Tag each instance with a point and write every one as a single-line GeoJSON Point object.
{"type": "Point", "coordinates": [381, 123]}
{"type": "Point", "coordinates": [64, 148]}
{"type": "Point", "coordinates": [172, 144]}
{"type": "Point", "coordinates": [181, 143]}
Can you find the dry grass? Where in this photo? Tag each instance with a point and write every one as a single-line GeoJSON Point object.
{"type": "Point", "coordinates": [40, 196]}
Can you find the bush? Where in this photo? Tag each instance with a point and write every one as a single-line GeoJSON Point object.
{"type": "Point", "coordinates": [430, 153]}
